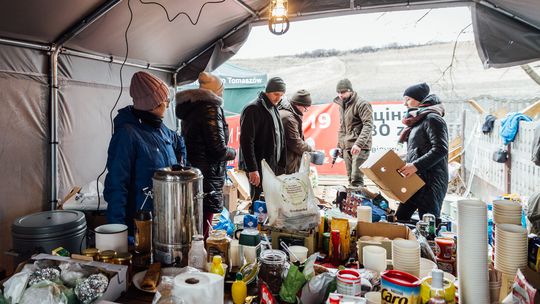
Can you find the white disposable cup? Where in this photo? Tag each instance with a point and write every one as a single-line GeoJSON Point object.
{"type": "Point", "coordinates": [300, 252]}
{"type": "Point", "coordinates": [112, 237]}
{"type": "Point", "coordinates": [374, 258]}
{"type": "Point", "coordinates": [373, 297]}
{"type": "Point", "coordinates": [363, 214]}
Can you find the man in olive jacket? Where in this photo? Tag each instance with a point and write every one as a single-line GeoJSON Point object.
{"type": "Point", "coordinates": [291, 117]}
{"type": "Point", "coordinates": [261, 135]}
{"type": "Point", "coordinates": [356, 125]}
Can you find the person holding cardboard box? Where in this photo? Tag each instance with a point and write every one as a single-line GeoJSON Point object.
{"type": "Point", "coordinates": [426, 135]}
{"type": "Point", "coordinates": [356, 125]}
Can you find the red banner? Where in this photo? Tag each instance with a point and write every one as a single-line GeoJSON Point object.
{"type": "Point", "coordinates": [321, 125]}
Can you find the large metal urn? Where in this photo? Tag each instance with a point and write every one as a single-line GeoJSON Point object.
{"type": "Point", "coordinates": [178, 212]}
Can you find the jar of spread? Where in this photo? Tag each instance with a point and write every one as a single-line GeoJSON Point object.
{"type": "Point", "coordinates": [271, 269]}
{"type": "Point", "coordinates": [124, 258]}
{"type": "Point", "coordinates": [91, 252]}
{"type": "Point", "coordinates": [218, 244]}
{"type": "Point", "coordinates": [106, 256]}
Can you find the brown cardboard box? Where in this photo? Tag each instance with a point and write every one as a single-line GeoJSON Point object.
{"type": "Point", "coordinates": [230, 197]}
{"type": "Point", "coordinates": [382, 169]}
{"type": "Point", "coordinates": [389, 230]}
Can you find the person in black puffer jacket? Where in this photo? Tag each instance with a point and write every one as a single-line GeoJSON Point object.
{"type": "Point", "coordinates": [206, 134]}
{"type": "Point", "coordinates": [426, 135]}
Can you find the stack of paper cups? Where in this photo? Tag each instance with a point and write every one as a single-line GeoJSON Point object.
{"type": "Point", "coordinates": [363, 214]}
{"type": "Point", "coordinates": [472, 252]}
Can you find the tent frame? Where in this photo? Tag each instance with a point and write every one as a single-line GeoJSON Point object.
{"type": "Point", "coordinates": [57, 48]}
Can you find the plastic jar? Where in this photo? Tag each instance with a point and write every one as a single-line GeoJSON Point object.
{"type": "Point", "coordinates": [218, 244]}
{"type": "Point", "coordinates": [271, 269]}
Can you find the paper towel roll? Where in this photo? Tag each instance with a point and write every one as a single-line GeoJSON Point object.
{"type": "Point", "coordinates": [200, 288]}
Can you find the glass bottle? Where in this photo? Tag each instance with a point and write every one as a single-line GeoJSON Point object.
{"type": "Point", "coordinates": [197, 254]}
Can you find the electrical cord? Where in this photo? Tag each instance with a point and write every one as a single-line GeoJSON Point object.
{"type": "Point", "coordinates": [126, 57]}
{"type": "Point", "coordinates": [118, 98]}
{"type": "Point", "coordinates": [182, 13]}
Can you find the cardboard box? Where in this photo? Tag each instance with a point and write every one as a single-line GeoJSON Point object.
{"type": "Point", "coordinates": [302, 238]}
{"type": "Point", "coordinates": [230, 197]}
{"type": "Point", "coordinates": [382, 168]}
{"type": "Point", "coordinates": [117, 283]}
{"type": "Point", "coordinates": [389, 230]}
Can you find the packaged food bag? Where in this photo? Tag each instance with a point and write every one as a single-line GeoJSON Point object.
{"type": "Point", "coordinates": [290, 201]}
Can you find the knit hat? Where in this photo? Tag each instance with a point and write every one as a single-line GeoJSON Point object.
{"type": "Point", "coordinates": [344, 84]}
{"type": "Point", "coordinates": [418, 91]}
{"type": "Point", "coordinates": [275, 84]}
{"type": "Point", "coordinates": [210, 82]}
{"type": "Point", "coordinates": [301, 98]}
{"type": "Point", "coordinates": [147, 91]}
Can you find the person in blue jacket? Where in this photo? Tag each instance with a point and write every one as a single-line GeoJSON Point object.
{"type": "Point", "coordinates": [140, 144]}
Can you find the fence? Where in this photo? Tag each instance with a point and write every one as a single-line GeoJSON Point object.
{"type": "Point", "coordinates": [487, 178]}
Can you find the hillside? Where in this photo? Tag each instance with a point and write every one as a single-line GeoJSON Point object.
{"type": "Point", "coordinates": [383, 75]}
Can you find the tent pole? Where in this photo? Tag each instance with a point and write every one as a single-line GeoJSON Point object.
{"type": "Point", "coordinates": [53, 122]}
{"type": "Point", "coordinates": [28, 45]}
{"type": "Point", "coordinates": [86, 22]}
{"type": "Point", "coordinates": [110, 59]}
{"type": "Point", "coordinates": [247, 8]}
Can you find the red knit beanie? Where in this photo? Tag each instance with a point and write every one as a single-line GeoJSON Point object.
{"type": "Point", "coordinates": [147, 91]}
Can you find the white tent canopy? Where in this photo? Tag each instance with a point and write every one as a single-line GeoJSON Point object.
{"type": "Point", "coordinates": [60, 72]}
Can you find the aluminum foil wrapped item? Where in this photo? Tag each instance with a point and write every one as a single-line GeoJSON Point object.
{"type": "Point", "coordinates": [91, 288]}
{"type": "Point", "coordinates": [49, 274]}
{"type": "Point", "coordinates": [44, 292]}
{"type": "Point", "coordinates": [70, 273]}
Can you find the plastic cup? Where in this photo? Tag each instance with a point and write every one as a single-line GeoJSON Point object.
{"type": "Point", "coordinates": [300, 252]}
{"type": "Point", "coordinates": [374, 258]}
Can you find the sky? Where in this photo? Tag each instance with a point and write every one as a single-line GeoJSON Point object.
{"type": "Point", "coordinates": [360, 30]}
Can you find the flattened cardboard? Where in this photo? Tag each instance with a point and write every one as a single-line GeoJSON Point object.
{"type": "Point", "coordinates": [382, 169]}
{"type": "Point", "coordinates": [389, 230]}
{"type": "Point", "coordinates": [241, 182]}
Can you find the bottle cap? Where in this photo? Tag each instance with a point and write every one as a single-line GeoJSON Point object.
{"type": "Point", "coordinates": [239, 276]}
{"type": "Point", "coordinates": [216, 259]}
{"type": "Point", "coordinates": [437, 277]}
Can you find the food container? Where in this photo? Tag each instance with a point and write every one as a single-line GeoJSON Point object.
{"type": "Point", "coordinates": [218, 244]}
{"type": "Point", "coordinates": [106, 256]}
{"type": "Point", "coordinates": [399, 287]}
{"type": "Point", "coordinates": [91, 252]}
{"type": "Point", "coordinates": [273, 264]}
{"type": "Point", "coordinates": [349, 282]}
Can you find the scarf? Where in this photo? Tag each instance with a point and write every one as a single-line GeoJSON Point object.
{"type": "Point", "coordinates": [148, 118]}
{"type": "Point", "coordinates": [415, 116]}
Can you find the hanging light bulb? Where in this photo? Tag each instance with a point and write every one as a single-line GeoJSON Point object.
{"type": "Point", "coordinates": [278, 23]}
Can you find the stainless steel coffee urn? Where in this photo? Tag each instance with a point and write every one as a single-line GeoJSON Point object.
{"type": "Point", "coordinates": [178, 212]}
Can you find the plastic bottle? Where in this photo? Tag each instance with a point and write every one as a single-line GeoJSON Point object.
{"type": "Point", "coordinates": [437, 287]}
{"type": "Point", "coordinates": [216, 267]}
{"type": "Point", "coordinates": [442, 230]}
{"type": "Point", "coordinates": [197, 254]}
{"type": "Point", "coordinates": [239, 290]}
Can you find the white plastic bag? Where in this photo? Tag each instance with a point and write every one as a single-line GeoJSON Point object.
{"type": "Point", "coordinates": [290, 200]}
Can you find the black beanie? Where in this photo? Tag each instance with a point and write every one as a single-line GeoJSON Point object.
{"type": "Point", "coordinates": [275, 84]}
{"type": "Point", "coordinates": [301, 98]}
{"type": "Point", "coordinates": [418, 91]}
{"type": "Point", "coordinates": [344, 84]}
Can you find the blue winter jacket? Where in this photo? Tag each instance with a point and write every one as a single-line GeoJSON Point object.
{"type": "Point", "coordinates": [136, 150]}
